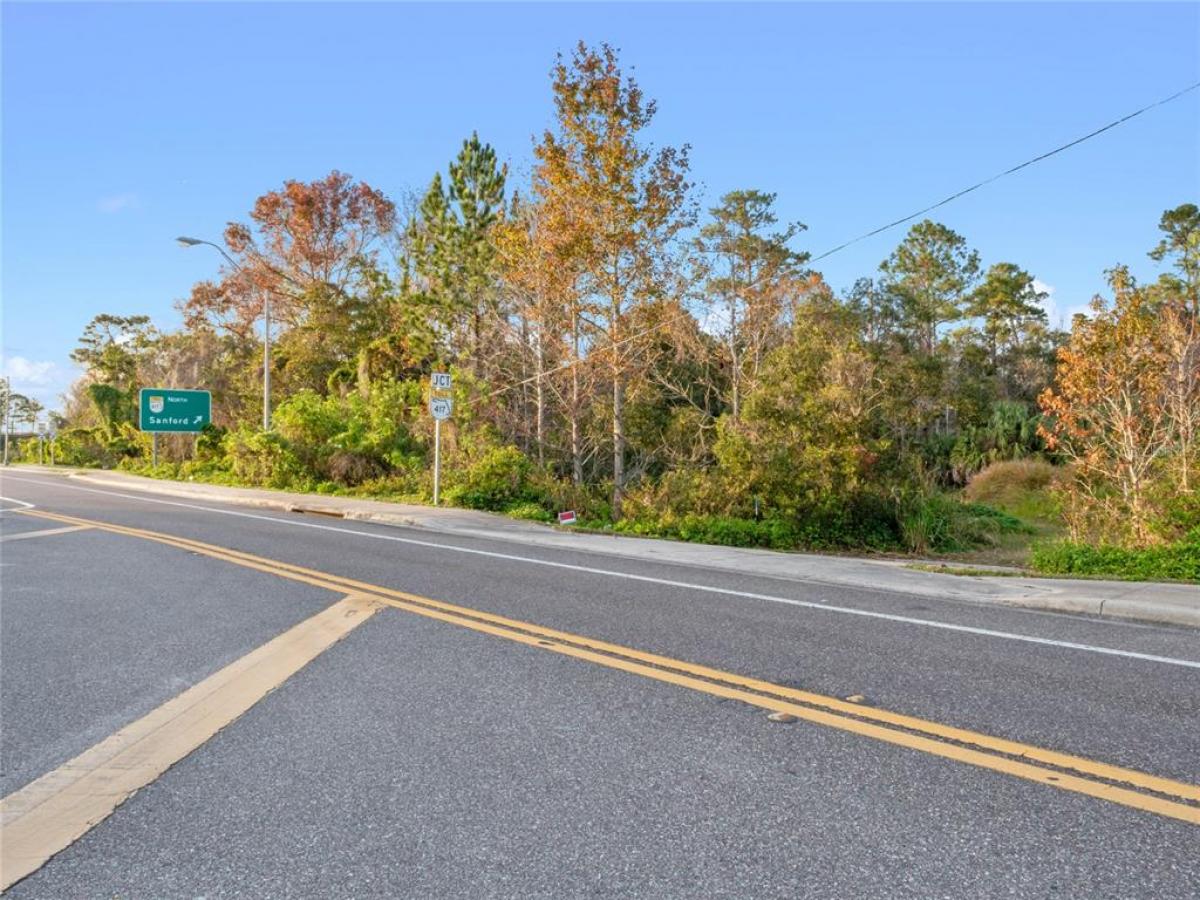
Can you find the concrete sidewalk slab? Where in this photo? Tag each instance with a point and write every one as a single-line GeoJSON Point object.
{"type": "Point", "coordinates": [1176, 604]}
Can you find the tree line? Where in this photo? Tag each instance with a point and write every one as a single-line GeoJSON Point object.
{"type": "Point", "coordinates": [620, 350]}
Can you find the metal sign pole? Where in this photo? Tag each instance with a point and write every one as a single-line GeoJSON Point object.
{"type": "Point", "coordinates": [437, 459]}
{"type": "Point", "coordinates": [440, 407]}
{"type": "Point", "coordinates": [266, 361]}
{"type": "Point", "coordinates": [154, 449]}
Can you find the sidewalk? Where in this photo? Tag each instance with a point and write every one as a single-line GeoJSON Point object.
{"type": "Point", "coordinates": [1169, 603]}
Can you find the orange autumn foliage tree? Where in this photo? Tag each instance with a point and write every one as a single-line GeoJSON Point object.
{"type": "Point", "coordinates": [1110, 414]}
{"type": "Point", "coordinates": [311, 247]}
{"type": "Point", "coordinates": [305, 237]}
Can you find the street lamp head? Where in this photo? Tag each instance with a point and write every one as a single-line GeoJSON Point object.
{"type": "Point", "coordinates": [188, 241]}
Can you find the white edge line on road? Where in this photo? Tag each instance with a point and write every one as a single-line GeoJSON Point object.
{"type": "Point", "coordinates": [24, 505]}
{"type": "Point", "coordinates": [46, 532]}
{"type": "Point", "coordinates": [806, 604]}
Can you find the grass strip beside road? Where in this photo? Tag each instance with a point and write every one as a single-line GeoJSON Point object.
{"type": "Point", "coordinates": [1128, 787]}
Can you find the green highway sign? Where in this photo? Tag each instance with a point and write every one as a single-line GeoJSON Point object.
{"type": "Point", "coordinates": [167, 409]}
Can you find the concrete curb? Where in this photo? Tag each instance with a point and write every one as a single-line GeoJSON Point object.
{"type": "Point", "coordinates": [1115, 608]}
{"type": "Point", "coordinates": [1150, 611]}
{"type": "Point", "coordinates": [1166, 604]}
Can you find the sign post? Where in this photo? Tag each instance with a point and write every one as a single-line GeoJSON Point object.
{"type": "Point", "coordinates": [172, 411]}
{"type": "Point", "coordinates": [440, 407]}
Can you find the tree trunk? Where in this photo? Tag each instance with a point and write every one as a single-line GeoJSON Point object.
{"type": "Point", "coordinates": [363, 375]}
{"type": "Point", "coordinates": [736, 392]}
{"type": "Point", "coordinates": [523, 427]}
{"type": "Point", "coordinates": [618, 443]}
{"type": "Point", "coordinates": [576, 446]}
{"type": "Point", "coordinates": [476, 360]}
{"type": "Point", "coordinates": [616, 301]}
{"type": "Point", "coordinates": [735, 362]}
{"type": "Point", "coordinates": [540, 396]}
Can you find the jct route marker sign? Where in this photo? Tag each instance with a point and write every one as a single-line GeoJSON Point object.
{"type": "Point", "coordinates": [440, 407]}
{"type": "Point", "coordinates": [167, 409]}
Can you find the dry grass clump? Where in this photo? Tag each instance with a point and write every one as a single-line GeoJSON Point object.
{"type": "Point", "coordinates": [1022, 487]}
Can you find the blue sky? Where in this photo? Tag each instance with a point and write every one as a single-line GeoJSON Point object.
{"type": "Point", "coordinates": [126, 125]}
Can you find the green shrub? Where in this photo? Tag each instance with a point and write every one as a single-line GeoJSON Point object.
{"type": "Point", "coordinates": [591, 502]}
{"type": "Point", "coordinates": [353, 467]}
{"type": "Point", "coordinates": [210, 442]}
{"type": "Point", "coordinates": [685, 491]}
{"type": "Point", "coordinates": [854, 518]}
{"type": "Point", "coordinates": [406, 484]}
{"type": "Point", "coordinates": [1181, 517]}
{"type": "Point", "coordinates": [724, 530]}
{"type": "Point", "coordinates": [78, 447]}
{"type": "Point", "coordinates": [114, 406]}
{"type": "Point", "coordinates": [941, 524]}
{"type": "Point", "coordinates": [208, 468]}
{"type": "Point", "coordinates": [381, 424]}
{"type": "Point", "coordinates": [859, 521]}
{"type": "Point", "coordinates": [498, 479]}
{"type": "Point", "coordinates": [97, 446]}
{"type": "Point", "coordinates": [265, 459]}
{"type": "Point", "coordinates": [25, 450]}
{"type": "Point", "coordinates": [1169, 562]}
{"type": "Point", "coordinates": [525, 509]}
{"type": "Point", "coordinates": [354, 439]}
{"type": "Point", "coordinates": [308, 424]}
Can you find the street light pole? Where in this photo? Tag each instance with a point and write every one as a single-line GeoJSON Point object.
{"type": "Point", "coordinates": [7, 403]}
{"type": "Point", "coordinates": [266, 361]}
{"type": "Point", "coordinates": [266, 423]}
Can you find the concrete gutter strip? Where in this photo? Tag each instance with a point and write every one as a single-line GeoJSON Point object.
{"type": "Point", "coordinates": [1175, 604]}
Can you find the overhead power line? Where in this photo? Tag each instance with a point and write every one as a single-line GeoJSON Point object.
{"type": "Point", "coordinates": [1017, 168]}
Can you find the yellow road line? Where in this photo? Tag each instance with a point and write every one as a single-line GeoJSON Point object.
{"type": "Point", "coordinates": [1027, 771]}
{"type": "Point", "coordinates": [935, 729]}
{"type": "Point", "coordinates": [931, 737]}
{"type": "Point", "coordinates": [51, 813]}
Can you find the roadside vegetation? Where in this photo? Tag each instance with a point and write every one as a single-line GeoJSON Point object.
{"type": "Point", "coordinates": [664, 370]}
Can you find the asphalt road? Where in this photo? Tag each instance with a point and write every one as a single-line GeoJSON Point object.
{"type": "Point", "coordinates": [420, 758]}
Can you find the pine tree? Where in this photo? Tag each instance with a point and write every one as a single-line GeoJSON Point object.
{"type": "Point", "coordinates": [751, 274]}
{"type": "Point", "coordinates": [622, 203]}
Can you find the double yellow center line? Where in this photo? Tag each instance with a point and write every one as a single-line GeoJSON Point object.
{"type": "Point", "coordinates": [1127, 787]}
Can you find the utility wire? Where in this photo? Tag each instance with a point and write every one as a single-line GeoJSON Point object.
{"type": "Point", "coordinates": [1017, 168]}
